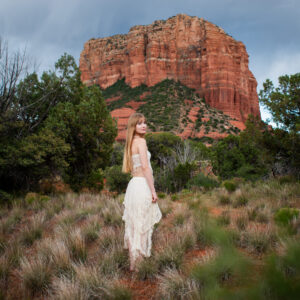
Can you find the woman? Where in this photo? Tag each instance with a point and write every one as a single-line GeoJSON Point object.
{"type": "Point", "coordinates": [141, 209]}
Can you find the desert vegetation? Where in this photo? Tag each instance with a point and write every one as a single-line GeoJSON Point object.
{"type": "Point", "coordinates": [203, 248]}
{"type": "Point", "coordinates": [164, 104]}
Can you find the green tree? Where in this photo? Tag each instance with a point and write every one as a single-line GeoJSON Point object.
{"type": "Point", "coordinates": [54, 125]}
{"type": "Point", "coordinates": [161, 144]}
{"type": "Point", "coordinates": [283, 101]}
{"type": "Point", "coordinates": [89, 130]}
{"type": "Point", "coordinates": [235, 156]}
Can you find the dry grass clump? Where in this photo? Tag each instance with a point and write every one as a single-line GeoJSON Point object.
{"type": "Point", "coordinates": [224, 219]}
{"type": "Point", "coordinates": [91, 230]}
{"type": "Point", "coordinates": [259, 241]}
{"type": "Point", "coordinates": [109, 238]}
{"type": "Point", "coordinates": [35, 274]}
{"type": "Point", "coordinates": [64, 288]}
{"type": "Point", "coordinates": [147, 268]}
{"type": "Point", "coordinates": [174, 285]}
{"type": "Point", "coordinates": [114, 261]}
{"type": "Point", "coordinates": [76, 244]}
{"type": "Point", "coordinates": [240, 199]}
{"type": "Point", "coordinates": [88, 283]}
{"type": "Point", "coordinates": [111, 212]}
{"type": "Point", "coordinates": [56, 252]}
{"type": "Point", "coordinates": [33, 230]}
{"type": "Point", "coordinates": [241, 222]}
{"type": "Point", "coordinates": [9, 223]}
{"type": "Point", "coordinates": [165, 206]}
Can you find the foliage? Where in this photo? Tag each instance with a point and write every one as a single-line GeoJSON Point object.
{"type": "Point", "coordinates": [90, 131]}
{"type": "Point", "coordinates": [230, 186]}
{"type": "Point", "coordinates": [200, 180]}
{"type": "Point", "coordinates": [283, 101]}
{"type": "Point", "coordinates": [285, 215]}
{"type": "Point", "coordinates": [164, 105]}
{"type": "Point", "coordinates": [54, 125]}
{"type": "Point", "coordinates": [160, 145]}
{"type": "Point", "coordinates": [116, 179]}
{"type": "Point", "coordinates": [237, 156]}
{"type": "Point", "coordinates": [277, 148]}
{"type": "Point", "coordinates": [94, 180]}
{"type": "Point", "coordinates": [117, 154]}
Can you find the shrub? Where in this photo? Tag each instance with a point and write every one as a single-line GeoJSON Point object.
{"type": "Point", "coordinates": [240, 200]}
{"type": "Point", "coordinates": [262, 218]}
{"type": "Point", "coordinates": [95, 180]}
{"type": "Point", "coordinates": [174, 197]}
{"type": "Point", "coordinates": [173, 285]}
{"type": "Point", "coordinates": [200, 180]}
{"type": "Point", "coordinates": [182, 174]}
{"type": "Point", "coordinates": [116, 179]}
{"type": "Point", "coordinates": [171, 257]}
{"type": "Point", "coordinates": [31, 197]}
{"type": "Point", "coordinates": [241, 223]}
{"type": "Point", "coordinates": [285, 215]}
{"type": "Point", "coordinates": [286, 179]}
{"type": "Point", "coordinates": [147, 269]}
{"type": "Point", "coordinates": [252, 213]}
{"type": "Point", "coordinates": [224, 218]}
{"type": "Point", "coordinates": [161, 195]}
{"type": "Point", "coordinates": [229, 186]}
{"type": "Point", "coordinates": [178, 220]}
{"type": "Point", "coordinates": [224, 199]}
{"type": "Point", "coordinates": [36, 274]}
{"type": "Point", "coordinates": [5, 198]}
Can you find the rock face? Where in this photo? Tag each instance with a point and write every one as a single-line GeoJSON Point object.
{"type": "Point", "coordinates": [188, 49]}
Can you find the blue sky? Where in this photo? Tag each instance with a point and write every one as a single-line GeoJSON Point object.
{"type": "Point", "coordinates": [268, 28]}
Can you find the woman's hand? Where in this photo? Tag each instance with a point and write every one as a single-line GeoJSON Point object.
{"type": "Point", "coordinates": [154, 197]}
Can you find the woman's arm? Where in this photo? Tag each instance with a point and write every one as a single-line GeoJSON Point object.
{"type": "Point", "coordinates": [142, 148]}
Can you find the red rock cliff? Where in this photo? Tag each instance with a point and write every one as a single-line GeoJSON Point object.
{"type": "Point", "coordinates": [196, 52]}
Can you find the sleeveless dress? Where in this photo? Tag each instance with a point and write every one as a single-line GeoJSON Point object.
{"type": "Point", "coordinates": [140, 213]}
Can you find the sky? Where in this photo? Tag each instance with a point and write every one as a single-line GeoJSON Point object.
{"type": "Point", "coordinates": [47, 29]}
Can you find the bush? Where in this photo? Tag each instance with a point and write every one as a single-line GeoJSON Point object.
{"type": "Point", "coordinates": [285, 215]}
{"type": "Point", "coordinates": [95, 180]}
{"type": "Point", "coordinates": [241, 200]}
{"type": "Point", "coordinates": [200, 180]}
{"type": "Point", "coordinates": [174, 197]}
{"type": "Point", "coordinates": [182, 174]}
{"type": "Point", "coordinates": [5, 198]}
{"type": "Point", "coordinates": [224, 199]}
{"type": "Point", "coordinates": [229, 186]}
{"type": "Point", "coordinates": [224, 218]}
{"type": "Point", "coordinates": [116, 180]}
{"type": "Point", "coordinates": [287, 179]}
{"type": "Point", "coordinates": [161, 195]}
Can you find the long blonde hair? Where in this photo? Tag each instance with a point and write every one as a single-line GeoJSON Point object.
{"type": "Point", "coordinates": [132, 121]}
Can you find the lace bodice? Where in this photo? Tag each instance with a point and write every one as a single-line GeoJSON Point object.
{"type": "Point", "coordinates": [136, 161]}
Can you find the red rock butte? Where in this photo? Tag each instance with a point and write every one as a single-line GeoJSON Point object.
{"type": "Point", "coordinates": [188, 49]}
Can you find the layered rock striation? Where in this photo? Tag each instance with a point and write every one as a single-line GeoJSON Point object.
{"type": "Point", "coordinates": [188, 49]}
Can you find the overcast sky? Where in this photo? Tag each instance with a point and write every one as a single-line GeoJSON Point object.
{"type": "Point", "coordinates": [48, 28]}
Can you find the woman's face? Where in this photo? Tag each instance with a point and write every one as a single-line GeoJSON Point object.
{"type": "Point", "coordinates": [141, 127]}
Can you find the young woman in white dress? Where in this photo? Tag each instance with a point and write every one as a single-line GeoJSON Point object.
{"type": "Point", "coordinates": [141, 210]}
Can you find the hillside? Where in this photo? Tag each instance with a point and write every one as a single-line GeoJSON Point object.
{"type": "Point", "coordinates": [169, 106]}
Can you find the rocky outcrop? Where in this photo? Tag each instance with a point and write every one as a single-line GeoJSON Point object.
{"type": "Point", "coordinates": [122, 115]}
{"type": "Point", "coordinates": [188, 49]}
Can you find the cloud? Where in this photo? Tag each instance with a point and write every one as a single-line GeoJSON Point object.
{"type": "Point", "coordinates": [269, 28]}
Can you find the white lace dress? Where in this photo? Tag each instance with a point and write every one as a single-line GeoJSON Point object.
{"type": "Point", "coordinates": [140, 214]}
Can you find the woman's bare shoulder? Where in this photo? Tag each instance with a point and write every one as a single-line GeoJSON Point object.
{"type": "Point", "coordinates": [139, 144]}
